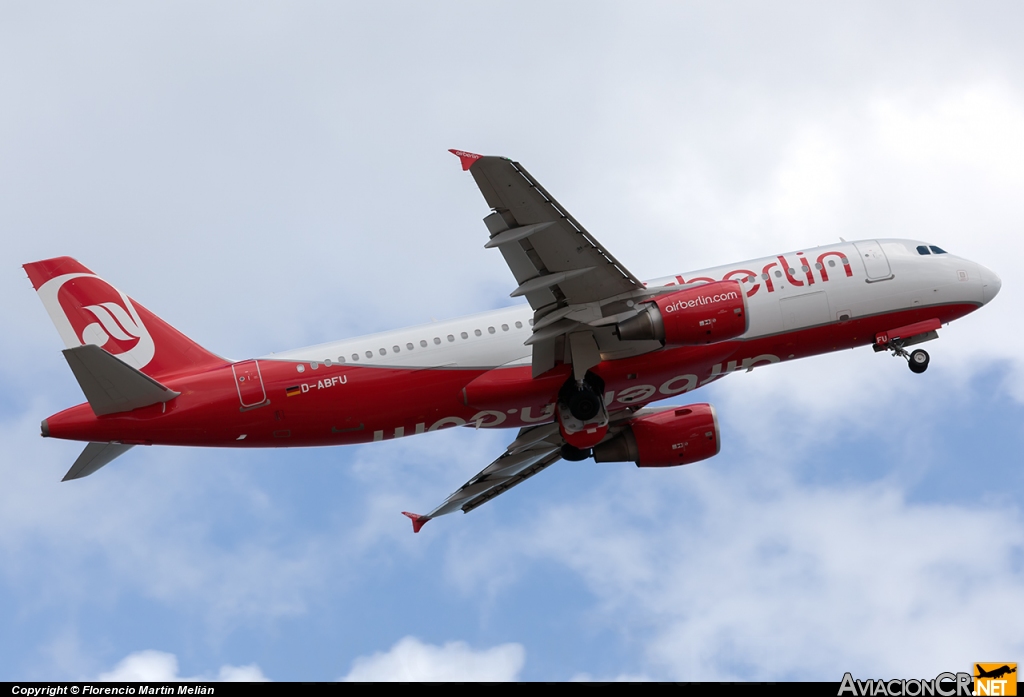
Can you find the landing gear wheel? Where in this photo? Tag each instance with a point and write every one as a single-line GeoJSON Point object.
{"type": "Point", "coordinates": [584, 404]}
{"type": "Point", "coordinates": [574, 454]}
{"type": "Point", "coordinates": [918, 361]}
{"type": "Point", "coordinates": [584, 401]}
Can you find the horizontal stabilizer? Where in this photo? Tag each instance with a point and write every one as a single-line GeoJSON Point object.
{"type": "Point", "coordinates": [111, 385]}
{"type": "Point", "coordinates": [93, 457]}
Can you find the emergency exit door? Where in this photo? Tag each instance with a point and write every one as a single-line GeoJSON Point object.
{"type": "Point", "coordinates": [875, 262]}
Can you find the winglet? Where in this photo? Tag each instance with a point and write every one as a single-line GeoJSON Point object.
{"type": "Point", "coordinates": [467, 158]}
{"type": "Point", "coordinates": [418, 520]}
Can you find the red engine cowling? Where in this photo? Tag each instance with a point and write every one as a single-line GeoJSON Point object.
{"type": "Point", "coordinates": [665, 439]}
{"type": "Point", "coordinates": [703, 314]}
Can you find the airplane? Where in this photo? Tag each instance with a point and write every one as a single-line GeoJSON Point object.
{"type": "Point", "coordinates": [575, 369]}
{"type": "Point", "coordinates": [994, 673]}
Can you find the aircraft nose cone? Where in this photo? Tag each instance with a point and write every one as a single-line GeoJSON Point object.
{"type": "Point", "coordinates": [990, 284]}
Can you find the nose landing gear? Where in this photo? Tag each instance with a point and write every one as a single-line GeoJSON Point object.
{"type": "Point", "coordinates": [916, 361]}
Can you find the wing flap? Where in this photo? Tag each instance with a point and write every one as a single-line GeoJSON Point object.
{"type": "Point", "coordinates": [498, 474]}
{"type": "Point", "coordinates": [510, 482]}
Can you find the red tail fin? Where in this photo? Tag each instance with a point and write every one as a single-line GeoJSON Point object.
{"type": "Point", "coordinates": [88, 310]}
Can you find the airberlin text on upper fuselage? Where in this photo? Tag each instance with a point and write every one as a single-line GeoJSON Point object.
{"type": "Point", "coordinates": [780, 269]}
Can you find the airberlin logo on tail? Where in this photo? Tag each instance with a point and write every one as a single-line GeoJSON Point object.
{"type": "Point", "coordinates": [115, 323]}
{"type": "Point", "coordinates": [88, 310]}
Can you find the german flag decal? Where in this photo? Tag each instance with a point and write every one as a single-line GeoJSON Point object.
{"type": "Point", "coordinates": [292, 391]}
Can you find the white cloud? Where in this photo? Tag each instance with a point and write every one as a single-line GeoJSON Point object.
{"type": "Point", "coordinates": [411, 660]}
{"type": "Point", "coordinates": [159, 666]}
{"type": "Point", "coordinates": [742, 577]}
{"type": "Point", "coordinates": [622, 677]}
{"type": "Point", "coordinates": [149, 531]}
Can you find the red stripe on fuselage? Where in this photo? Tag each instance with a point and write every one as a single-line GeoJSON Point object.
{"type": "Point", "coordinates": [346, 404]}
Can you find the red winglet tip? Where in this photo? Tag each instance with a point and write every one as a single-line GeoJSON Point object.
{"type": "Point", "coordinates": [467, 158]}
{"type": "Point", "coordinates": [418, 521]}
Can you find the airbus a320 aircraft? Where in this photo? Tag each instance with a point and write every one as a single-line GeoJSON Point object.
{"type": "Point", "coordinates": [574, 370]}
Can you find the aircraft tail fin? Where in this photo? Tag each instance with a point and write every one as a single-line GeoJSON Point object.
{"type": "Point", "coordinates": [88, 310]}
{"type": "Point", "coordinates": [93, 457]}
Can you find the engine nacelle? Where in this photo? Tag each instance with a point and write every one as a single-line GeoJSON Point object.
{"type": "Point", "coordinates": [704, 314]}
{"type": "Point", "coordinates": [665, 439]}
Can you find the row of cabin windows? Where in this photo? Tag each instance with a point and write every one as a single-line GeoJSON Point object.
{"type": "Point", "coordinates": [805, 269]}
{"type": "Point", "coordinates": [410, 346]}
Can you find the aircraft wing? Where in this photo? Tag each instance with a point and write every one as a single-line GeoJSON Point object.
{"type": "Point", "coordinates": [568, 278]}
{"type": "Point", "coordinates": [533, 450]}
{"type": "Point", "coordinates": [553, 258]}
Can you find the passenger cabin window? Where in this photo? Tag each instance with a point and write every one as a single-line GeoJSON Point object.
{"type": "Point", "coordinates": [923, 250]}
{"type": "Point", "coordinates": [409, 346]}
{"type": "Point", "coordinates": [423, 343]}
{"type": "Point", "coordinates": [937, 250]}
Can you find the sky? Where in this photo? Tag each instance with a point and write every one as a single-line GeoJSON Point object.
{"type": "Point", "coordinates": [272, 175]}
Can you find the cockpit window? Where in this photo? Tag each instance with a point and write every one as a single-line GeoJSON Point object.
{"type": "Point", "coordinates": [937, 250]}
{"type": "Point", "coordinates": [923, 250]}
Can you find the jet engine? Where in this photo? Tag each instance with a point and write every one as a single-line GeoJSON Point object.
{"type": "Point", "coordinates": [665, 438]}
{"type": "Point", "coordinates": [704, 314]}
